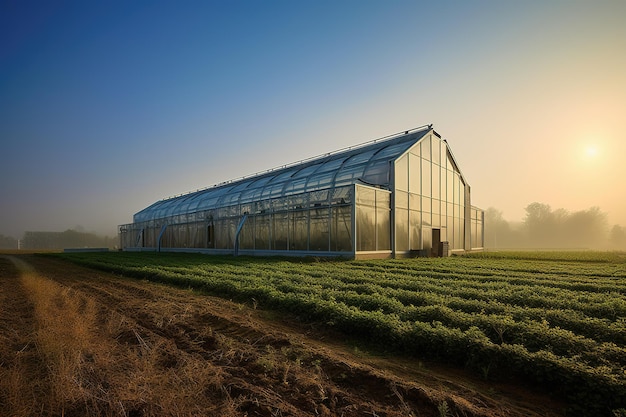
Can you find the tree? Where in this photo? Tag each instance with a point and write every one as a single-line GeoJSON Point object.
{"type": "Point", "coordinates": [617, 237]}
{"type": "Point", "coordinates": [585, 228]}
{"type": "Point", "coordinates": [498, 232]}
{"type": "Point", "coordinates": [562, 229]}
{"type": "Point", "coordinates": [8, 242]}
{"type": "Point", "coordinates": [541, 225]}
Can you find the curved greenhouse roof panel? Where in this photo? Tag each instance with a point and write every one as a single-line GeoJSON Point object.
{"type": "Point", "coordinates": [368, 164]}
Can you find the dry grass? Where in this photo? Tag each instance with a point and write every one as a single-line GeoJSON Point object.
{"type": "Point", "coordinates": [90, 361]}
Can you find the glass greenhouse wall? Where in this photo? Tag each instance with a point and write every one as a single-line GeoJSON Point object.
{"type": "Point", "coordinates": [398, 196]}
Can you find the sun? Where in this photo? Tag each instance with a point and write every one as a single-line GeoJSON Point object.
{"type": "Point", "coordinates": [591, 151]}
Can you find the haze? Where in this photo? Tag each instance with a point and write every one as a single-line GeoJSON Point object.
{"type": "Point", "coordinates": [107, 107]}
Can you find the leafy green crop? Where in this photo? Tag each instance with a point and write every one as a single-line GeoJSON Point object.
{"type": "Point", "coordinates": [555, 319]}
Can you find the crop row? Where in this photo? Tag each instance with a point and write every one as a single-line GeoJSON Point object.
{"type": "Point", "coordinates": [466, 311]}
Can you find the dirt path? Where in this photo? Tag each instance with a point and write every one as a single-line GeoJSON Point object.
{"type": "Point", "coordinates": [157, 350]}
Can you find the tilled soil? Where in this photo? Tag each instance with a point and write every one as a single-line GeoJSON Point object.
{"type": "Point", "coordinates": [168, 351]}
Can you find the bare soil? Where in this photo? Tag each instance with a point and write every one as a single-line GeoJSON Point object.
{"type": "Point", "coordinates": [159, 350]}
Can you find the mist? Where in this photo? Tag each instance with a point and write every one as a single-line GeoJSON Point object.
{"type": "Point", "coordinates": [543, 228]}
{"type": "Point", "coordinates": [546, 228]}
{"type": "Point", "coordinates": [70, 238]}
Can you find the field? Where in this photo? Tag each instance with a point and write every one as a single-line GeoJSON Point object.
{"type": "Point", "coordinates": [487, 335]}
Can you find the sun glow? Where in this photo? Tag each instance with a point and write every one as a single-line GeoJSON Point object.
{"type": "Point", "coordinates": [591, 151]}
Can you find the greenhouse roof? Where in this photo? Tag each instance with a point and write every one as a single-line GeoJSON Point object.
{"type": "Point", "coordinates": [368, 164]}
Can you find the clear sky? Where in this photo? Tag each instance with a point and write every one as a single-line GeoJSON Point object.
{"type": "Point", "coordinates": [107, 107]}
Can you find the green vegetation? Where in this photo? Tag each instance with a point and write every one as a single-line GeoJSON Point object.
{"type": "Point", "coordinates": [554, 319]}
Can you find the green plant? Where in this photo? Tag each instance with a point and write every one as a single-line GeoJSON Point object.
{"type": "Point", "coordinates": [553, 319]}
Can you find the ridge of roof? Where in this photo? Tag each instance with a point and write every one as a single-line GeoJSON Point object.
{"type": "Point", "coordinates": [302, 162]}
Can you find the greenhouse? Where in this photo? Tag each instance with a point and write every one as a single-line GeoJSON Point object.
{"type": "Point", "coordinates": [402, 195]}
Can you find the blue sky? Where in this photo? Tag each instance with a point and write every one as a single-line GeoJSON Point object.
{"type": "Point", "coordinates": [106, 107]}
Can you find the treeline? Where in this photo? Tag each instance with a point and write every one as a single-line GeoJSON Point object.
{"type": "Point", "coordinates": [545, 228]}
{"type": "Point", "coordinates": [59, 240]}
{"type": "Point", "coordinates": [68, 239]}
{"type": "Point", "coordinates": [8, 242]}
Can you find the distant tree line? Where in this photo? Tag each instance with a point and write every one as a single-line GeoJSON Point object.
{"type": "Point", "coordinates": [545, 228]}
{"type": "Point", "coordinates": [67, 239]}
{"type": "Point", "coordinates": [8, 242]}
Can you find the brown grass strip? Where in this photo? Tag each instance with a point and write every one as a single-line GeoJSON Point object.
{"type": "Point", "coordinates": [92, 368]}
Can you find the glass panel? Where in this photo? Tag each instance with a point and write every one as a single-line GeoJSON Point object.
{"type": "Point", "coordinates": [443, 177]}
{"type": "Point", "coordinates": [319, 230]}
{"type": "Point", "coordinates": [266, 193]}
{"type": "Point", "coordinates": [450, 163]}
{"type": "Point", "coordinates": [414, 229]}
{"type": "Point", "coordinates": [426, 180]}
{"type": "Point", "coordinates": [341, 225]}
{"type": "Point", "coordinates": [436, 181]}
{"type": "Point", "coordinates": [377, 173]}
{"type": "Point", "coordinates": [249, 195]}
{"type": "Point", "coordinates": [415, 150]}
{"type": "Point", "coordinates": [456, 189]}
{"type": "Point", "coordinates": [359, 158]}
{"type": "Point", "coordinates": [426, 205]}
{"type": "Point", "coordinates": [402, 229]}
{"type": "Point", "coordinates": [458, 234]}
{"type": "Point", "coordinates": [342, 195]}
{"type": "Point", "coordinates": [297, 201]}
{"type": "Point", "coordinates": [262, 232]}
{"type": "Point", "coordinates": [299, 230]}
{"type": "Point", "coordinates": [436, 151]}
{"type": "Point", "coordinates": [383, 226]}
{"type": "Point", "coordinates": [365, 196]}
{"type": "Point", "coordinates": [383, 199]}
{"type": "Point", "coordinates": [449, 186]}
{"type": "Point", "coordinates": [427, 238]}
{"type": "Point", "coordinates": [347, 175]}
{"type": "Point", "coordinates": [319, 197]}
{"type": "Point", "coordinates": [365, 227]}
{"type": "Point", "coordinates": [259, 183]}
{"type": "Point", "coordinates": [426, 218]}
{"type": "Point", "coordinates": [436, 207]}
{"type": "Point", "coordinates": [426, 147]}
{"type": "Point", "coordinates": [415, 172]}
{"type": "Point", "coordinates": [296, 186]}
{"type": "Point", "coordinates": [225, 233]}
{"type": "Point", "coordinates": [444, 220]}
{"type": "Point", "coordinates": [479, 235]}
{"type": "Point", "coordinates": [402, 173]}
{"type": "Point", "coordinates": [306, 171]}
{"type": "Point", "coordinates": [318, 181]}
{"type": "Point", "coordinates": [246, 208]}
{"type": "Point", "coordinates": [331, 166]}
{"type": "Point", "coordinates": [392, 150]}
{"type": "Point", "coordinates": [462, 197]}
{"type": "Point", "coordinates": [402, 199]}
{"type": "Point", "coordinates": [415, 202]}
{"type": "Point", "coordinates": [281, 231]}
{"type": "Point", "coordinates": [280, 204]}
{"type": "Point", "coordinates": [444, 158]}
{"type": "Point", "coordinates": [246, 237]}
